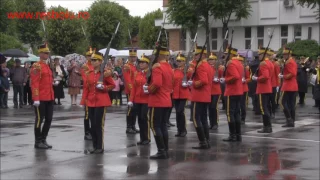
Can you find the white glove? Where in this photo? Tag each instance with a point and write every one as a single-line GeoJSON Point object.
{"type": "Point", "coordinates": [307, 69]}
{"type": "Point", "coordinates": [184, 84]}
{"type": "Point", "coordinates": [130, 104]}
{"type": "Point", "coordinates": [222, 80]}
{"type": "Point", "coordinates": [146, 91]}
{"type": "Point", "coordinates": [36, 103]}
{"type": "Point", "coordinates": [190, 83]}
{"type": "Point", "coordinates": [145, 87]}
{"type": "Point", "coordinates": [254, 78]}
{"type": "Point", "coordinates": [244, 80]}
{"type": "Point", "coordinates": [277, 88]}
{"type": "Point", "coordinates": [100, 86]}
{"type": "Point", "coordinates": [215, 79]}
{"type": "Point", "coordinates": [55, 83]}
{"type": "Point", "coordinates": [280, 76]}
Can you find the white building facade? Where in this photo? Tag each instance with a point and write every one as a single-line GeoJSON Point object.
{"type": "Point", "coordinates": [288, 19]}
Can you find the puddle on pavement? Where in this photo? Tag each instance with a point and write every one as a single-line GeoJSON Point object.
{"type": "Point", "coordinates": [14, 125]}
{"type": "Point", "coordinates": [135, 168]}
{"type": "Point", "coordinates": [67, 118]}
{"type": "Point", "coordinates": [60, 126]}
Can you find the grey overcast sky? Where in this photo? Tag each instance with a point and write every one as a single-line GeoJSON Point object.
{"type": "Point", "coordinates": [136, 7]}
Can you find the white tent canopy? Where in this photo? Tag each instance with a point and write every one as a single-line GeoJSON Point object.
{"type": "Point", "coordinates": [112, 52]}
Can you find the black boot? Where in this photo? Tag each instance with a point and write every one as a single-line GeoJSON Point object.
{"type": "Point", "coordinates": [44, 141]}
{"type": "Point", "coordinates": [289, 123]}
{"type": "Point", "coordinates": [178, 134]}
{"type": "Point", "coordinates": [87, 136]}
{"type": "Point", "coordinates": [39, 144]}
{"type": "Point", "coordinates": [232, 133]}
{"type": "Point", "coordinates": [166, 145]}
{"type": "Point", "coordinates": [238, 131]}
{"type": "Point", "coordinates": [293, 116]}
{"type": "Point", "coordinates": [207, 135]}
{"type": "Point", "coordinates": [130, 131]}
{"type": "Point", "coordinates": [266, 125]}
{"type": "Point", "coordinates": [183, 134]}
{"type": "Point", "coordinates": [201, 136]}
{"type": "Point", "coordinates": [161, 154]}
{"type": "Point", "coordinates": [135, 129]}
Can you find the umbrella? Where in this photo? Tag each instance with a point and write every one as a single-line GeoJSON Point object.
{"type": "Point", "coordinates": [31, 58]}
{"type": "Point", "coordinates": [80, 59]}
{"type": "Point", "coordinates": [59, 57]}
{"type": "Point", "coordinates": [15, 53]}
{"type": "Point", "coordinates": [112, 52]}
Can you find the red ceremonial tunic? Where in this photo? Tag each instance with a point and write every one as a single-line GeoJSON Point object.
{"type": "Point", "coordinates": [93, 97]}
{"type": "Point", "coordinates": [264, 79]}
{"type": "Point", "coordinates": [87, 67]}
{"type": "Point", "coordinates": [41, 82]}
{"type": "Point", "coordinates": [276, 73]}
{"type": "Point", "coordinates": [290, 76]}
{"type": "Point", "coordinates": [137, 94]}
{"type": "Point", "coordinates": [233, 78]}
{"type": "Point", "coordinates": [180, 92]}
{"type": "Point", "coordinates": [128, 74]}
{"type": "Point", "coordinates": [248, 79]}
{"type": "Point", "coordinates": [161, 85]}
{"type": "Point", "coordinates": [202, 82]}
{"type": "Point", "coordinates": [215, 88]}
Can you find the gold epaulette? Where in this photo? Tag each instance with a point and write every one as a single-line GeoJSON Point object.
{"type": "Point", "coordinates": [262, 63]}
{"type": "Point", "coordinates": [200, 63]}
{"type": "Point", "coordinates": [277, 63]}
{"type": "Point", "coordinates": [286, 62]}
{"type": "Point", "coordinates": [156, 65]}
{"type": "Point", "coordinates": [229, 62]}
{"type": "Point", "coordinates": [107, 73]}
{"type": "Point", "coordinates": [36, 66]}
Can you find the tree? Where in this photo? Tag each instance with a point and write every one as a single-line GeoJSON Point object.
{"type": "Point", "coordinates": [104, 17]}
{"type": "Point", "coordinates": [311, 3]}
{"type": "Point", "coordinates": [63, 34]}
{"type": "Point", "coordinates": [223, 10]}
{"type": "Point", "coordinates": [28, 27]}
{"type": "Point", "coordinates": [7, 24]}
{"type": "Point", "coordinates": [9, 42]}
{"type": "Point", "coordinates": [148, 32]}
{"type": "Point", "coordinates": [134, 25]}
{"type": "Point", "coordinates": [308, 48]}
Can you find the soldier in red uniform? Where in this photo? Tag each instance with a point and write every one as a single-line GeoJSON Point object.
{"type": "Point", "coordinates": [96, 98]}
{"type": "Point", "coordinates": [233, 93]}
{"type": "Point", "coordinates": [42, 96]}
{"type": "Point", "coordinates": [246, 78]}
{"type": "Point", "coordinates": [159, 101]}
{"type": "Point", "coordinates": [215, 94]}
{"type": "Point", "coordinates": [201, 97]}
{"type": "Point", "coordinates": [128, 74]}
{"type": "Point", "coordinates": [181, 94]}
{"type": "Point", "coordinates": [139, 100]}
{"type": "Point", "coordinates": [275, 82]}
{"type": "Point", "coordinates": [289, 87]}
{"type": "Point", "coordinates": [87, 67]}
{"type": "Point", "coordinates": [264, 90]}
{"type": "Point", "coordinates": [192, 66]}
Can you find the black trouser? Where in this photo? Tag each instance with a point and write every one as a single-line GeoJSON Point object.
{"type": "Point", "coordinates": [158, 120]}
{"type": "Point", "coordinates": [288, 103]}
{"type": "Point", "coordinates": [131, 115]}
{"type": "Point", "coordinates": [256, 103]}
{"type": "Point", "coordinates": [4, 99]}
{"type": "Point", "coordinates": [97, 117]}
{"type": "Point", "coordinates": [170, 110]}
{"type": "Point", "coordinates": [273, 99]}
{"type": "Point", "coordinates": [302, 96]}
{"type": "Point", "coordinates": [233, 108]}
{"type": "Point", "coordinates": [179, 105]}
{"type": "Point", "coordinates": [17, 89]}
{"type": "Point", "coordinates": [213, 110]}
{"type": "Point", "coordinates": [223, 87]}
{"type": "Point", "coordinates": [44, 111]}
{"type": "Point", "coordinates": [191, 111]}
{"type": "Point", "coordinates": [27, 97]}
{"type": "Point", "coordinates": [243, 106]}
{"type": "Point", "coordinates": [115, 95]}
{"type": "Point", "coordinates": [318, 101]}
{"type": "Point", "coordinates": [200, 119]}
{"type": "Point", "coordinates": [142, 112]}
{"type": "Point", "coordinates": [86, 121]}
{"type": "Point", "coordinates": [264, 104]}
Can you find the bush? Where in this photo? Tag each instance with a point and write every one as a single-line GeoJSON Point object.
{"type": "Point", "coordinates": [307, 48]}
{"type": "Point", "coordinates": [9, 42]}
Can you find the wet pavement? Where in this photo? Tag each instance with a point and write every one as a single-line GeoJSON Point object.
{"type": "Point", "coordinates": [288, 153]}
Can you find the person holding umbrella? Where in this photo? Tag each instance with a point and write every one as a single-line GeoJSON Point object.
{"type": "Point", "coordinates": [19, 79]}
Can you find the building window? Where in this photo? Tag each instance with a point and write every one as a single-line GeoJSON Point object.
{"type": "Point", "coordinates": [283, 42]}
{"type": "Point", "coordinates": [284, 31]}
{"type": "Point", "coordinates": [309, 33]}
{"type": "Point", "coordinates": [248, 44]}
{"type": "Point", "coordinates": [260, 43]}
{"type": "Point", "coordinates": [297, 32]}
{"type": "Point", "coordinates": [260, 35]}
{"type": "Point", "coordinates": [214, 38]}
{"type": "Point", "coordinates": [247, 36]}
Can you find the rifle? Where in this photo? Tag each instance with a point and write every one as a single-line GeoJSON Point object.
{"type": "Point", "coordinates": [202, 50]}
{"type": "Point", "coordinates": [84, 33]}
{"type": "Point", "coordinates": [158, 46]}
{"type": "Point", "coordinates": [219, 55]}
{"type": "Point", "coordinates": [106, 55]}
{"type": "Point", "coordinates": [265, 52]}
{"type": "Point", "coordinates": [229, 52]}
{"type": "Point", "coordinates": [54, 74]}
{"type": "Point", "coordinates": [189, 58]}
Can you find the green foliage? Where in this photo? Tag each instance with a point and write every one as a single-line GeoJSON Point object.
{"type": "Point", "coordinates": [9, 42]}
{"type": "Point", "coordinates": [307, 48]}
{"type": "Point", "coordinates": [28, 27]}
{"type": "Point", "coordinates": [311, 3]}
{"type": "Point", "coordinates": [63, 35]}
{"type": "Point", "coordinates": [7, 25]}
{"type": "Point", "coordinates": [148, 32]}
{"type": "Point", "coordinates": [134, 25]}
{"type": "Point", "coordinates": [104, 17]}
